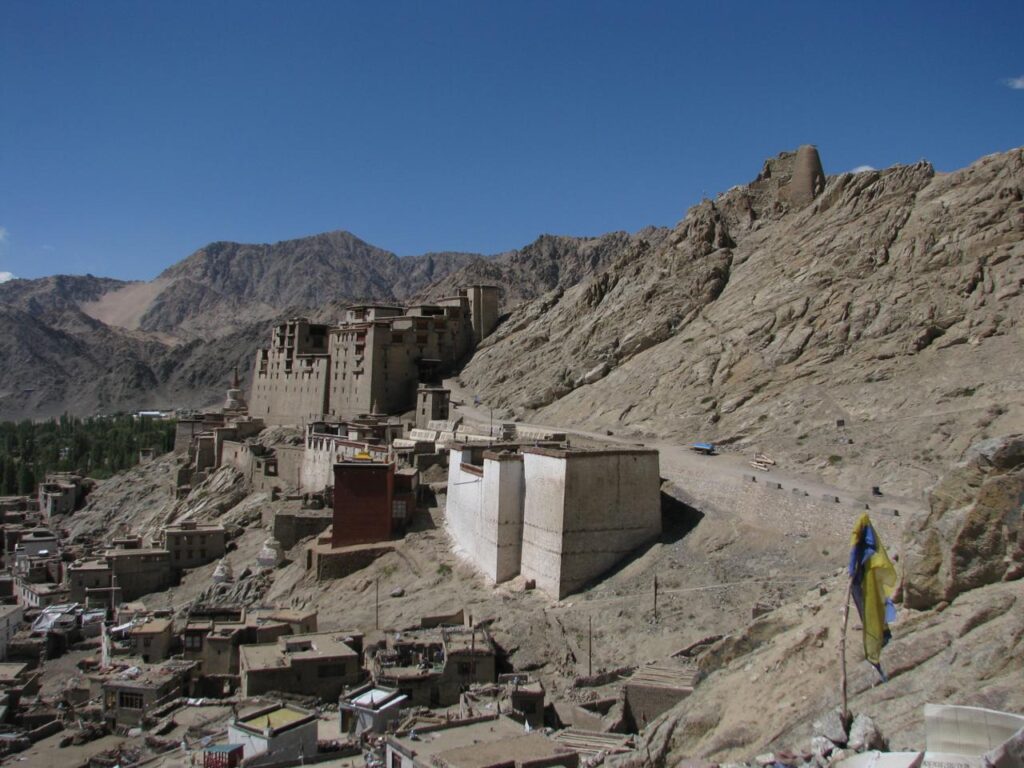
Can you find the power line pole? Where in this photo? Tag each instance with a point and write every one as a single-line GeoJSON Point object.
{"type": "Point", "coordinates": [376, 603]}
{"type": "Point", "coordinates": [590, 646]}
{"type": "Point", "coordinates": [655, 597]}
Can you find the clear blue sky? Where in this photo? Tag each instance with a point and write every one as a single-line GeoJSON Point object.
{"type": "Point", "coordinates": [132, 134]}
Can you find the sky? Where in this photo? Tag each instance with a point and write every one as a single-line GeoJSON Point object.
{"type": "Point", "coordinates": [134, 133]}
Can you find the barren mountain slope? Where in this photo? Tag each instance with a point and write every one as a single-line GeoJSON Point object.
{"type": "Point", "coordinates": [891, 301]}
{"type": "Point", "coordinates": [767, 683]}
{"type": "Point", "coordinates": [225, 284]}
{"type": "Point", "coordinates": [88, 344]}
{"type": "Point", "coordinates": [550, 262]}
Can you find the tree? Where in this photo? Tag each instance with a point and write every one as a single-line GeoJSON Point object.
{"type": "Point", "coordinates": [26, 480]}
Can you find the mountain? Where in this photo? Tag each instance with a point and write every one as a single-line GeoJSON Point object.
{"type": "Point", "coordinates": [861, 326]}
{"type": "Point", "coordinates": [84, 344]}
{"type": "Point", "coordinates": [864, 326]}
{"type": "Point", "coordinates": [88, 344]}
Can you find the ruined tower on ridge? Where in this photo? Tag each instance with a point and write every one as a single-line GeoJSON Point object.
{"type": "Point", "coordinates": [808, 178]}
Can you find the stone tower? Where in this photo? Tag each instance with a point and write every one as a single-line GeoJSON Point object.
{"type": "Point", "coordinates": [808, 177]}
{"type": "Point", "coordinates": [483, 309]}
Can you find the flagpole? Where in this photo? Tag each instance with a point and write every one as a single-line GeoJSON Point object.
{"type": "Point", "coordinates": [842, 654]}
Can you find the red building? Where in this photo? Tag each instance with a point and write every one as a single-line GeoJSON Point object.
{"type": "Point", "coordinates": [372, 501]}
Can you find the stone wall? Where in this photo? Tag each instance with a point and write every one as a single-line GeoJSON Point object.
{"type": "Point", "coordinates": [324, 451]}
{"type": "Point", "coordinates": [292, 527]}
{"type": "Point", "coordinates": [584, 512]}
{"type": "Point", "coordinates": [463, 507]}
{"type": "Point", "coordinates": [485, 512]}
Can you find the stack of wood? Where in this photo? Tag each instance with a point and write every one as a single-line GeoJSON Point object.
{"type": "Point", "coordinates": [763, 462]}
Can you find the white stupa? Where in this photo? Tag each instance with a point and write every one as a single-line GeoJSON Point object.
{"type": "Point", "coordinates": [234, 403]}
{"type": "Point", "coordinates": [222, 573]}
{"type": "Point", "coordinates": [271, 555]}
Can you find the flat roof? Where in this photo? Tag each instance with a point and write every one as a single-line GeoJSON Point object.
{"type": "Point", "coordinates": [90, 565]}
{"type": "Point", "coordinates": [565, 453]}
{"type": "Point", "coordinates": [152, 627]}
{"type": "Point", "coordinates": [376, 697]}
{"type": "Point", "coordinates": [457, 736]}
{"type": "Point", "coordinates": [275, 719]}
{"type": "Point", "coordinates": [136, 552]}
{"type": "Point", "coordinates": [10, 670]}
{"type": "Point", "coordinates": [192, 527]}
{"type": "Point", "coordinates": [325, 645]}
{"type": "Point", "coordinates": [524, 748]}
{"type": "Point", "coordinates": [671, 676]}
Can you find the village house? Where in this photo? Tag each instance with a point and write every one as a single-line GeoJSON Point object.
{"type": "Point", "coordinates": [279, 734]}
{"type": "Point", "coordinates": [140, 570]}
{"type": "Point", "coordinates": [319, 664]}
{"type": "Point", "coordinates": [192, 544]}
{"type": "Point", "coordinates": [432, 667]}
{"type": "Point", "coordinates": [152, 640]}
{"type": "Point", "coordinates": [370, 709]}
{"type": "Point", "coordinates": [215, 641]}
{"type": "Point", "coordinates": [129, 696]}
{"type": "Point", "coordinates": [432, 404]}
{"type": "Point", "coordinates": [90, 581]}
{"type": "Point", "coordinates": [18, 680]}
{"type": "Point", "coordinates": [486, 742]}
{"type": "Point", "coordinates": [656, 688]}
{"type": "Point", "coordinates": [62, 493]}
{"type": "Point", "coordinates": [557, 516]}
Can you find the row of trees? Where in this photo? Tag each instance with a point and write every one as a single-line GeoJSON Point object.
{"type": "Point", "coordinates": [98, 447]}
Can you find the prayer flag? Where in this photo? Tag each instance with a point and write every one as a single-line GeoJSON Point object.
{"type": "Point", "coordinates": [872, 582]}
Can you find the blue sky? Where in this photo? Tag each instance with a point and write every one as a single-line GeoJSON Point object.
{"type": "Point", "coordinates": [132, 134]}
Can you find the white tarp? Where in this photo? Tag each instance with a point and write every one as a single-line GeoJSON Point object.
{"type": "Point", "coordinates": [960, 737]}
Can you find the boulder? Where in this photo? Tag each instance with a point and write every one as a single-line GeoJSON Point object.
{"type": "Point", "coordinates": [865, 735]}
{"type": "Point", "coordinates": [830, 725]}
{"type": "Point", "coordinates": [970, 535]}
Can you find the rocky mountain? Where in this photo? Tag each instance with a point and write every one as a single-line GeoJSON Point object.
{"type": "Point", "coordinates": [84, 344]}
{"type": "Point", "coordinates": [865, 326]}
{"type": "Point", "coordinates": [549, 263]}
{"type": "Point", "coordinates": [861, 326]}
{"type": "Point", "coordinates": [88, 344]}
{"type": "Point", "coordinates": [958, 637]}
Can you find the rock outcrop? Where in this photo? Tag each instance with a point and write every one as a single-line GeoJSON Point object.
{"type": "Point", "coordinates": [958, 638]}
{"type": "Point", "coordinates": [890, 301]}
{"type": "Point", "coordinates": [972, 532]}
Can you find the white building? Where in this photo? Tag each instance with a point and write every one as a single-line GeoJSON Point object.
{"type": "Point", "coordinates": [275, 734]}
{"type": "Point", "coordinates": [558, 516]}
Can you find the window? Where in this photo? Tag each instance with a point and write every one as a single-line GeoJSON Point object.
{"type": "Point", "coordinates": [129, 700]}
{"type": "Point", "coordinates": [193, 642]}
{"type": "Point", "coordinates": [466, 667]}
{"type": "Point", "coordinates": [330, 670]}
{"type": "Point", "coordinates": [147, 642]}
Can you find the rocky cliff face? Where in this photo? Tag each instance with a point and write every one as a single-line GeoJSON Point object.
{"type": "Point", "coordinates": [972, 533]}
{"type": "Point", "coordinates": [958, 637]}
{"type": "Point", "coordinates": [888, 300]}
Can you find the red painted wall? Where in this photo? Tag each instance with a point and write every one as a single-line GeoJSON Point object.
{"type": "Point", "coordinates": [362, 503]}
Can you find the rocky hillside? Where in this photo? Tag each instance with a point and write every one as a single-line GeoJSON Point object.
{"type": "Point", "coordinates": [958, 639]}
{"type": "Point", "coordinates": [886, 301]}
{"type": "Point", "coordinates": [549, 263]}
